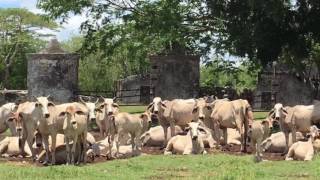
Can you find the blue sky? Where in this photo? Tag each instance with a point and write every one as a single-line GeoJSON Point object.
{"type": "Point", "coordinates": [67, 30]}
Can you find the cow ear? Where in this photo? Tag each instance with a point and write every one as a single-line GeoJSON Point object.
{"type": "Point", "coordinates": [51, 104]}
{"type": "Point", "coordinates": [202, 130]}
{"type": "Point", "coordinates": [150, 106]}
{"type": "Point", "coordinates": [142, 116]}
{"type": "Point", "coordinates": [62, 114]}
{"type": "Point", "coordinates": [80, 112]}
{"type": "Point", "coordinates": [98, 110]}
{"type": "Point", "coordinates": [10, 119]}
{"type": "Point", "coordinates": [163, 104]}
{"type": "Point", "coordinates": [208, 107]}
{"type": "Point", "coordinates": [101, 106]}
{"type": "Point", "coordinates": [265, 122]}
{"type": "Point", "coordinates": [285, 111]}
{"type": "Point", "coordinates": [115, 105]}
{"type": "Point", "coordinates": [195, 110]}
{"type": "Point", "coordinates": [271, 112]}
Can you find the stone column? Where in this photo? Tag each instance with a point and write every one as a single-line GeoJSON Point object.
{"type": "Point", "coordinates": [53, 72]}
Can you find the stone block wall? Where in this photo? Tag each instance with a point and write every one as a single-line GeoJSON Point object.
{"type": "Point", "coordinates": [175, 76]}
{"type": "Point", "coordinates": [54, 74]}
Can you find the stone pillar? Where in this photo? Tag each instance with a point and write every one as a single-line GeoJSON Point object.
{"type": "Point", "coordinates": [53, 72]}
{"type": "Point", "coordinates": [175, 76]}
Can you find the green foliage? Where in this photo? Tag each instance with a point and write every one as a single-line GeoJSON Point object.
{"type": "Point", "coordinates": [259, 30]}
{"type": "Point", "coordinates": [19, 36]}
{"type": "Point", "coordinates": [221, 73]}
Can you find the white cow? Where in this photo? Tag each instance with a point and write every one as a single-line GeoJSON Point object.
{"type": "Point", "coordinates": [6, 111]}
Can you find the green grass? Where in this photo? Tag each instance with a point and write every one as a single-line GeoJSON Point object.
{"type": "Point", "coordinates": [133, 109]}
{"type": "Point", "coordinates": [260, 115]}
{"type": "Point", "coordinates": [218, 166]}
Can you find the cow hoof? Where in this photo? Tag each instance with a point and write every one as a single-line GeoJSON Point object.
{"type": "Point", "coordinates": [45, 163]}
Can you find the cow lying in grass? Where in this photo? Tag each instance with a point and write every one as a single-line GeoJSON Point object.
{"type": "Point", "coordinates": [303, 150]}
{"type": "Point", "coordinates": [192, 143]}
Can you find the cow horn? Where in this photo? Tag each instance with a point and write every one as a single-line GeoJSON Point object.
{"type": "Point", "coordinates": [97, 101]}
{"type": "Point", "coordinates": [48, 96]}
{"type": "Point", "coordinates": [115, 99]}
{"type": "Point", "coordinates": [80, 97]}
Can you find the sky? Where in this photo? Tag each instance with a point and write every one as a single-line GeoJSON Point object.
{"type": "Point", "coordinates": [67, 30]}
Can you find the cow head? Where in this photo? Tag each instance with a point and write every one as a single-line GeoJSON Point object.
{"type": "Point", "coordinates": [10, 108]}
{"type": "Point", "coordinates": [146, 120]}
{"type": "Point", "coordinates": [156, 106]}
{"type": "Point", "coordinates": [278, 112]}
{"type": "Point", "coordinates": [195, 129]}
{"type": "Point", "coordinates": [91, 106]}
{"type": "Point", "coordinates": [314, 132]}
{"type": "Point", "coordinates": [42, 104]}
{"type": "Point", "coordinates": [203, 108]}
{"type": "Point", "coordinates": [109, 105]}
{"type": "Point", "coordinates": [70, 115]}
{"type": "Point", "coordinates": [16, 119]}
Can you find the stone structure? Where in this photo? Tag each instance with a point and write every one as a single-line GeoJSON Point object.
{"type": "Point", "coordinates": [12, 96]}
{"type": "Point", "coordinates": [175, 76]}
{"type": "Point", "coordinates": [134, 89]}
{"type": "Point", "coordinates": [170, 77]}
{"type": "Point", "coordinates": [281, 85]}
{"type": "Point", "coordinates": [53, 72]}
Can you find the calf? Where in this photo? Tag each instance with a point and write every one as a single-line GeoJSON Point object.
{"type": "Point", "coordinates": [104, 111]}
{"type": "Point", "coordinates": [260, 131]}
{"type": "Point", "coordinates": [191, 143]}
{"type": "Point", "coordinates": [134, 124]}
{"type": "Point", "coordinates": [303, 150]}
{"type": "Point", "coordinates": [75, 129]}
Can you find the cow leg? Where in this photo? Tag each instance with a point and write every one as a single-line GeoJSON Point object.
{"type": "Point", "coordinates": [165, 131]}
{"type": "Point", "coordinates": [111, 139]}
{"type": "Point", "coordinates": [84, 148]}
{"type": "Point", "coordinates": [290, 154]}
{"type": "Point", "coordinates": [46, 147]}
{"type": "Point", "coordinates": [225, 136]}
{"type": "Point", "coordinates": [66, 139]}
{"type": "Point", "coordinates": [53, 148]}
{"type": "Point", "coordinates": [22, 143]}
{"type": "Point", "coordinates": [258, 151]}
{"type": "Point", "coordinates": [73, 150]}
{"type": "Point", "coordinates": [216, 133]}
{"type": "Point", "coordinates": [133, 142]}
{"type": "Point", "coordinates": [30, 143]}
{"type": "Point", "coordinates": [294, 133]}
{"type": "Point", "coordinates": [245, 135]}
{"type": "Point", "coordinates": [172, 128]}
{"type": "Point", "coordinates": [286, 135]}
{"type": "Point", "coordinates": [117, 138]}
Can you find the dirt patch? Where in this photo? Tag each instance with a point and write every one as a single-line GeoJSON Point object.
{"type": "Point", "coordinates": [232, 150]}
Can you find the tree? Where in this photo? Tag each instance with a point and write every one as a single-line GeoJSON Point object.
{"type": "Point", "coordinates": [18, 36]}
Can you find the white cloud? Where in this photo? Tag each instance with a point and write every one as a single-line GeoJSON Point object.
{"type": "Point", "coordinates": [67, 30]}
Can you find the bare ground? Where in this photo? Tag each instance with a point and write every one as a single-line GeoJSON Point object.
{"type": "Point", "coordinates": [232, 150]}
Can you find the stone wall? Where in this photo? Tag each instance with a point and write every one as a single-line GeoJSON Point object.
{"type": "Point", "coordinates": [129, 89]}
{"type": "Point", "coordinates": [175, 76]}
{"type": "Point", "coordinates": [287, 88]}
{"type": "Point", "coordinates": [53, 72]}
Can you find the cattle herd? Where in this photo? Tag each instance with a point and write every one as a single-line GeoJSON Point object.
{"type": "Point", "coordinates": [58, 134]}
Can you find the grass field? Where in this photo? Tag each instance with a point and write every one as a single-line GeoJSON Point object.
{"type": "Point", "coordinates": [213, 166]}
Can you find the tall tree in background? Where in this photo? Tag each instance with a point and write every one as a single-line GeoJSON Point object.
{"type": "Point", "coordinates": [261, 31]}
{"type": "Point", "coordinates": [18, 36]}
